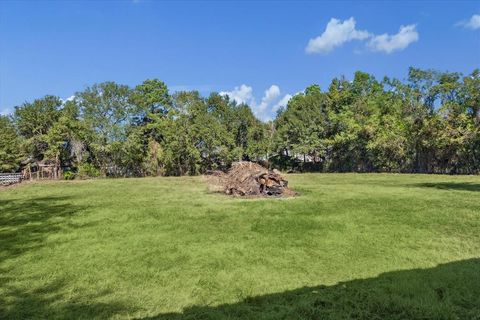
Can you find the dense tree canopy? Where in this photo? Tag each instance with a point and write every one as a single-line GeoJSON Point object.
{"type": "Point", "coordinates": [429, 123]}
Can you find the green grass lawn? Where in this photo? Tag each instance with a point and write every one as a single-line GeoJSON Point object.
{"type": "Point", "coordinates": [351, 246]}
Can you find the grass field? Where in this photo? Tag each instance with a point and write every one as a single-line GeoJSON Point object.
{"type": "Point", "coordinates": [351, 246]}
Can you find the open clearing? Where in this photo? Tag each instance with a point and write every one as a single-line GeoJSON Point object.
{"type": "Point", "coordinates": [368, 246]}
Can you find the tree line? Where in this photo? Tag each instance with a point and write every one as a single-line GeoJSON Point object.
{"type": "Point", "coordinates": [428, 123]}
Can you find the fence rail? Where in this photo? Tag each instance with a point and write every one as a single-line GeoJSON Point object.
{"type": "Point", "coordinates": [10, 178]}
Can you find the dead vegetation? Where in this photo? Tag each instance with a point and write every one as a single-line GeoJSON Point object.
{"type": "Point", "coordinates": [250, 179]}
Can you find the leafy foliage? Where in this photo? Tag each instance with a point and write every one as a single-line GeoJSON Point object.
{"type": "Point", "coordinates": [10, 146]}
{"type": "Point", "coordinates": [429, 123]}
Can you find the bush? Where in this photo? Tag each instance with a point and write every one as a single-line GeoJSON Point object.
{"type": "Point", "coordinates": [87, 170]}
{"type": "Point", "coordinates": [68, 175]}
{"type": "Point", "coordinates": [285, 163]}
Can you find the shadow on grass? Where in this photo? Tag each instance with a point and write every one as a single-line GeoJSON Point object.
{"type": "Point", "coordinates": [448, 291]}
{"type": "Point", "coordinates": [463, 186]}
{"type": "Point", "coordinates": [54, 301]}
{"type": "Point", "coordinates": [24, 225]}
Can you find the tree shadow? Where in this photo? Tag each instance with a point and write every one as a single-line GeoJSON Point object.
{"type": "Point", "coordinates": [463, 186]}
{"type": "Point", "coordinates": [448, 291]}
{"type": "Point", "coordinates": [54, 301]}
{"type": "Point", "coordinates": [25, 224]}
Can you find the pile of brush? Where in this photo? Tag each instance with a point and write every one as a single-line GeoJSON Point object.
{"type": "Point", "coordinates": [250, 179]}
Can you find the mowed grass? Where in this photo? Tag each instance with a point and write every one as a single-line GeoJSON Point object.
{"type": "Point", "coordinates": [351, 246]}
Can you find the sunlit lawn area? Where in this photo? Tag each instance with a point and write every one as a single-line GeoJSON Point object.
{"type": "Point", "coordinates": [362, 246]}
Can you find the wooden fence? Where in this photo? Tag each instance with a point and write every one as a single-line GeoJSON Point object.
{"type": "Point", "coordinates": [10, 178]}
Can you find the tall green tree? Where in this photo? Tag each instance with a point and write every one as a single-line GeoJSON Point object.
{"type": "Point", "coordinates": [34, 120]}
{"type": "Point", "coordinates": [108, 112]}
{"type": "Point", "coordinates": [152, 102]}
{"type": "Point", "coordinates": [10, 146]}
{"type": "Point", "coordinates": [301, 127]}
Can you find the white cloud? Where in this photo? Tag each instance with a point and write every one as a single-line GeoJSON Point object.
{"type": "Point", "coordinates": [336, 34]}
{"type": "Point", "coordinates": [6, 112]}
{"type": "Point", "coordinates": [270, 95]}
{"type": "Point", "coordinates": [282, 103]}
{"type": "Point", "coordinates": [390, 43]}
{"type": "Point", "coordinates": [71, 98]}
{"type": "Point", "coordinates": [265, 110]}
{"type": "Point", "coordinates": [242, 94]}
{"type": "Point", "coordinates": [473, 23]}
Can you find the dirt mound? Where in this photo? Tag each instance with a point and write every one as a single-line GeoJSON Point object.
{"type": "Point", "coordinates": [250, 179]}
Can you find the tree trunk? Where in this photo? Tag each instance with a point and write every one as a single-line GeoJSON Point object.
{"type": "Point", "coordinates": [55, 173]}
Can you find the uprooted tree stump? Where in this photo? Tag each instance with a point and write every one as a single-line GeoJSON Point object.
{"type": "Point", "coordinates": [250, 179]}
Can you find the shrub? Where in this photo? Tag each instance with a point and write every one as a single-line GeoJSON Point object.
{"type": "Point", "coordinates": [68, 175]}
{"type": "Point", "coordinates": [87, 170]}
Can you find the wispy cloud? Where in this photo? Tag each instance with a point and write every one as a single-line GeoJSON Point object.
{"type": "Point", "coordinates": [472, 23]}
{"type": "Point", "coordinates": [389, 43]}
{"type": "Point", "coordinates": [6, 111]}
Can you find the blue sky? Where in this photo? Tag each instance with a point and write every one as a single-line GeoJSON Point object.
{"type": "Point", "coordinates": [258, 52]}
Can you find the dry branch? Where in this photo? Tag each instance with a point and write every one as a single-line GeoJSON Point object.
{"type": "Point", "coordinates": [250, 179]}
